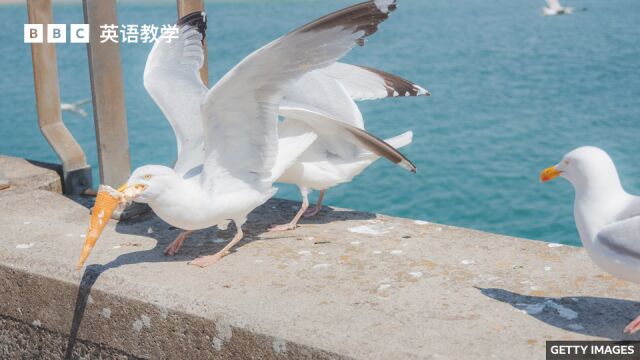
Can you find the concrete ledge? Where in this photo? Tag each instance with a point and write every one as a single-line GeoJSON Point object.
{"type": "Point", "coordinates": [348, 284]}
{"type": "Point", "coordinates": [28, 175]}
{"type": "Point", "coordinates": [24, 341]}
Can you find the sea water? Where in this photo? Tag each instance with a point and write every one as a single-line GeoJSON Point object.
{"type": "Point", "coordinates": [512, 92]}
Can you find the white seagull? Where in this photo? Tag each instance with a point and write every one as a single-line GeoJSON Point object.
{"type": "Point", "coordinates": [76, 107]}
{"type": "Point", "coordinates": [554, 8]}
{"type": "Point", "coordinates": [331, 159]}
{"type": "Point", "coordinates": [227, 136]}
{"type": "Point", "coordinates": [607, 217]}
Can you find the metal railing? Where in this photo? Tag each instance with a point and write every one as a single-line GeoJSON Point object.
{"type": "Point", "coordinates": [107, 88]}
{"type": "Point", "coordinates": [76, 172]}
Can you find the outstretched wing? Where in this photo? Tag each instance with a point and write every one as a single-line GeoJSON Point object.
{"type": "Point", "coordinates": [365, 83]}
{"type": "Point", "coordinates": [172, 78]}
{"type": "Point", "coordinates": [318, 90]}
{"type": "Point", "coordinates": [351, 139]}
{"type": "Point", "coordinates": [554, 4]}
{"type": "Point", "coordinates": [82, 102]}
{"type": "Point", "coordinates": [240, 112]}
{"type": "Point", "coordinates": [334, 89]}
{"type": "Point", "coordinates": [622, 237]}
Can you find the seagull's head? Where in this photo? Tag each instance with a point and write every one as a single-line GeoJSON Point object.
{"type": "Point", "coordinates": [584, 167]}
{"type": "Point", "coordinates": [148, 182]}
{"type": "Point", "coordinates": [144, 185]}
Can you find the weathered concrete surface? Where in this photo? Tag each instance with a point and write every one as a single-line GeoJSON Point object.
{"type": "Point", "coordinates": [346, 284]}
{"type": "Point", "coordinates": [26, 341]}
{"type": "Point", "coordinates": [24, 175]}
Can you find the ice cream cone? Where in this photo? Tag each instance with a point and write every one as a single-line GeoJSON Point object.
{"type": "Point", "coordinates": [107, 201]}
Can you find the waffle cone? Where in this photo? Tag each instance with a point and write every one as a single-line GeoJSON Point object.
{"type": "Point", "coordinates": [106, 203]}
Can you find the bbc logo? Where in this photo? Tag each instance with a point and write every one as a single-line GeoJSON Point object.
{"type": "Point", "coordinates": [56, 33]}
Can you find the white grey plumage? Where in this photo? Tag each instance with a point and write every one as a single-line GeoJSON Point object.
{"type": "Point", "coordinates": [336, 157]}
{"type": "Point", "coordinates": [76, 107]}
{"type": "Point", "coordinates": [228, 136]}
{"type": "Point", "coordinates": [607, 217]}
{"type": "Point", "coordinates": [554, 8]}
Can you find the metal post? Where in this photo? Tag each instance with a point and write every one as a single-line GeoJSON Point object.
{"type": "Point", "coordinates": [186, 7]}
{"type": "Point", "coordinates": [76, 171]}
{"type": "Point", "coordinates": [108, 94]}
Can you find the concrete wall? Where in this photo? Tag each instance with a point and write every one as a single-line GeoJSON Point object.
{"type": "Point", "coordinates": [346, 284]}
{"type": "Point", "coordinates": [27, 175]}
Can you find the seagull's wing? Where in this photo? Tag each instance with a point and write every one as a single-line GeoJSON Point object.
{"type": "Point", "coordinates": [554, 4]}
{"type": "Point", "coordinates": [353, 139]}
{"type": "Point", "coordinates": [320, 91]}
{"type": "Point", "coordinates": [82, 102]}
{"type": "Point", "coordinates": [73, 108]}
{"type": "Point", "coordinates": [294, 138]}
{"type": "Point", "coordinates": [172, 78]}
{"type": "Point", "coordinates": [623, 237]}
{"type": "Point", "coordinates": [335, 87]}
{"type": "Point", "coordinates": [365, 83]}
{"type": "Point", "coordinates": [240, 112]}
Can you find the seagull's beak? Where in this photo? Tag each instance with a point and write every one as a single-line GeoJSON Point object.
{"type": "Point", "coordinates": [106, 203]}
{"type": "Point", "coordinates": [550, 173]}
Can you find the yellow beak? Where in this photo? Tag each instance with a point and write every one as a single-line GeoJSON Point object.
{"type": "Point", "coordinates": [549, 174]}
{"type": "Point", "coordinates": [123, 187]}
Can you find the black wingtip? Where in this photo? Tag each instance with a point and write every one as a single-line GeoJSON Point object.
{"type": "Point", "coordinates": [197, 19]}
{"type": "Point", "coordinates": [363, 17]}
{"type": "Point", "coordinates": [397, 86]}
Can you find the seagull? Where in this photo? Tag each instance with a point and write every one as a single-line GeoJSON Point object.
{"type": "Point", "coordinates": [554, 8]}
{"type": "Point", "coordinates": [607, 217]}
{"type": "Point", "coordinates": [229, 151]}
{"type": "Point", "coordinates": [332, 160]}
{"type": "Point", "coordinates": [75, 107]}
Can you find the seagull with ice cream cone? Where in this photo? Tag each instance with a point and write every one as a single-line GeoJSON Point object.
{"type": "Point", "coordinates": [229, 152]}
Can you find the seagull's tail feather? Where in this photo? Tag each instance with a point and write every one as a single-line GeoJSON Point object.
{"type": "Point", "coordinates": [401, 140]}
{"type": "Point", "coordinates": [396, 143]}
{"type": "Point", "coordinates": [368, 143]}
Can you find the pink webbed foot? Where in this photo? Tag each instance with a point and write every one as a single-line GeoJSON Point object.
{"type": "Point", "coordinates": [294, 222]}
{"type": "Point", "coordinates": [283, 227]}
{"type": "Point", "coordinates": [204, 261]}
{"type": "Point", "coordinates": [312, 212]}
{"type": "Point", "coordinates": [633, 326]}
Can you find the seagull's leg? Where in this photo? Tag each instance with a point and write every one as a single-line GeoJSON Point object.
{"type": "Point", "coordinates": [633, 326]}
{"type": "Point", "coordinates": [204, 261]}
{"type": "Point", "coordinates": [294, 222]}
{"type": "Point", "coordinates": [175, 246]}
{"type": "Point", "coordinates": [316, 210]}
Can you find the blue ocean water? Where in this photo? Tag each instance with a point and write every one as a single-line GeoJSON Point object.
{"type": "Point", "coordinates": [512, 92]}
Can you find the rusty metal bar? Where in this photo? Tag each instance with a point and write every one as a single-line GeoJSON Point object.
{"type": "Point", "coordinates": [186, 7]}
{"type": "Point", "coordinates": [76, 171]}
{"type": "Point", "coordinates": [108, 93]}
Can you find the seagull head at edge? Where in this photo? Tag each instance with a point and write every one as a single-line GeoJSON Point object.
{"type": "Point", "coordinates": [588, 169]}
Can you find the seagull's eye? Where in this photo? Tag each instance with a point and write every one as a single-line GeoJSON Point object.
{"type": "Point", "coordinates": [147, 177]}
{"type": "Point", "coordinates": [566, 162]}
